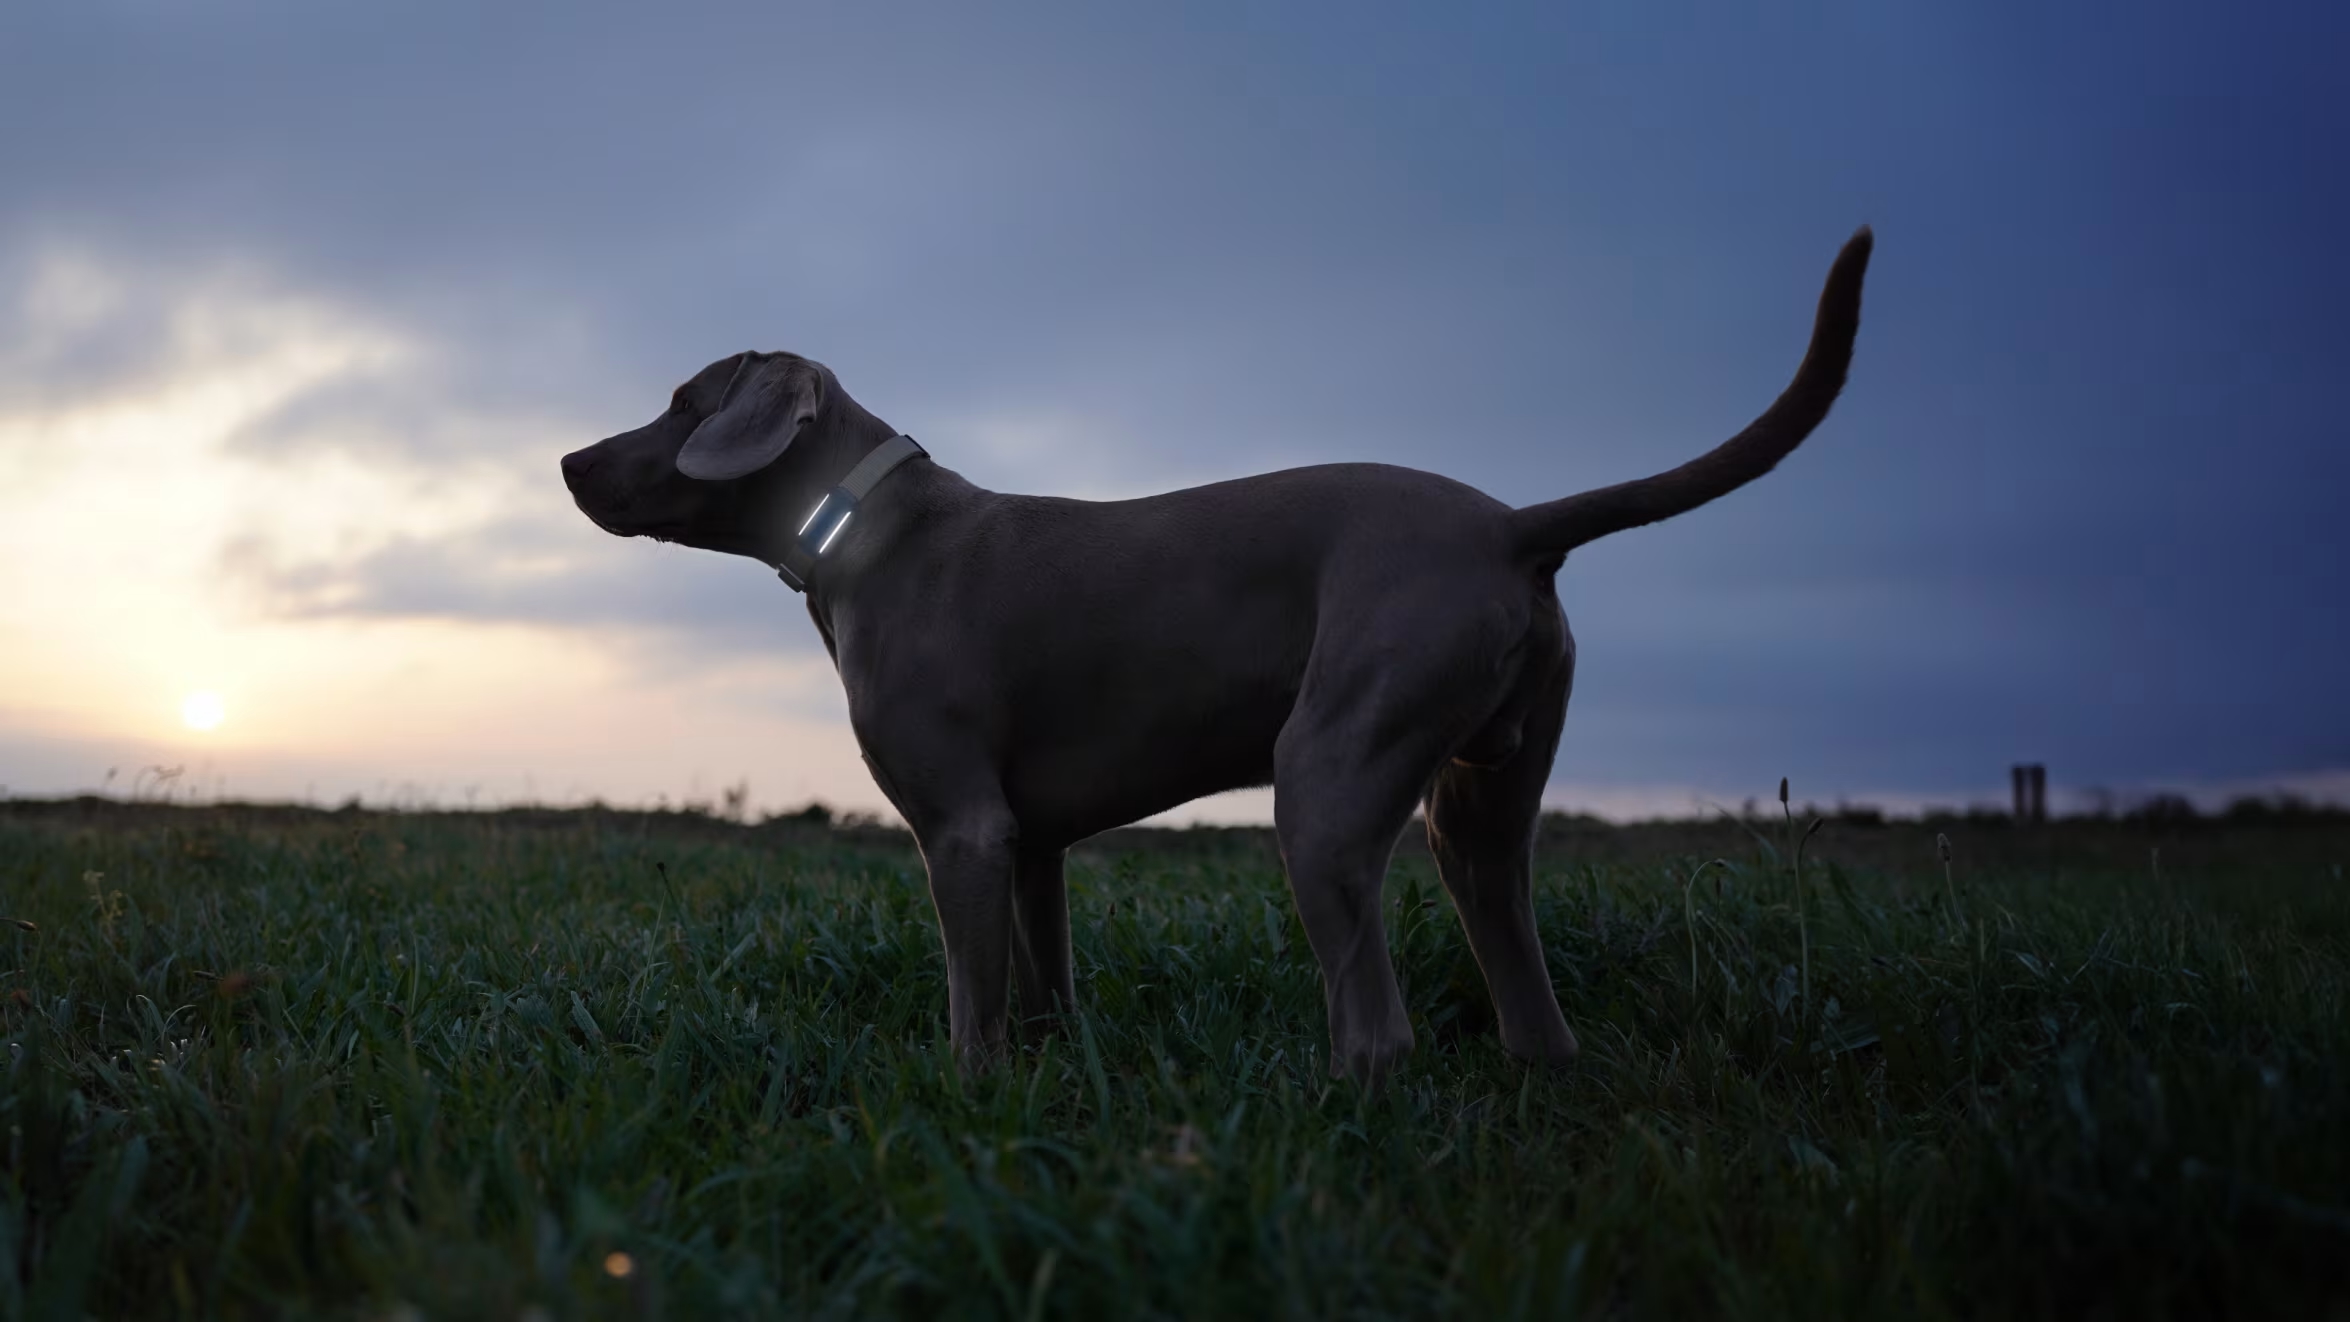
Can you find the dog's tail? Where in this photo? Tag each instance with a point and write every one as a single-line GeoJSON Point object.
{"type": "Point", "coordinates": [1559, 526]}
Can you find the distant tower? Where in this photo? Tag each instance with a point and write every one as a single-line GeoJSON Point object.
{"type": "Point", "coordinates": [2030, 781]}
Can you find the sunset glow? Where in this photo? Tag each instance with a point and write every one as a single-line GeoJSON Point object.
{"type": "Point", "coordinates": [203, 711]}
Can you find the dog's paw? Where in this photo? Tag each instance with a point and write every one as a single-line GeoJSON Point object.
{"type": "Point", "coordinates": [982, 1058]}
{"type": "Point", "coordinates": [1368, 1058]}
{"type": "Point", "coordinates": [1555, 1046]}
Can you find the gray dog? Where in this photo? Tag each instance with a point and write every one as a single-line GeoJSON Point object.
{"type": "Point", "coordinates": [1024, 671]}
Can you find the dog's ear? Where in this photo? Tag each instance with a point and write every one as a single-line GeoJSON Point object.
{"type": "Point", "coordinates": [770, 398]}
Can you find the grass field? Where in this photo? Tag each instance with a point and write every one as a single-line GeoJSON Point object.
{"type": "Point", "coordinates": [286, 1063]}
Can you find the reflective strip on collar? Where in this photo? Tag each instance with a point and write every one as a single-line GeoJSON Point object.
{"type": "Point", "coordinates": [825, 522]}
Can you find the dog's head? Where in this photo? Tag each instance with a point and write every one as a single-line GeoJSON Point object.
{"type": "Point", "coordinates": [722, 469]}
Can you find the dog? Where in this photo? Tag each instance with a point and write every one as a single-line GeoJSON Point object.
{"type": "Point", "coordinates": [1023, 672]}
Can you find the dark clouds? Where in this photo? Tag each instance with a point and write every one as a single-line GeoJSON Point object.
{"type": "Point", "coordinates": [2078, 505]}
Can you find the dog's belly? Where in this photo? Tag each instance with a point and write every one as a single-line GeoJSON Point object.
{"type": "Point", "coordinates": [1099, 737]}
{"type": "Point", "coordinates": [1072, 786]}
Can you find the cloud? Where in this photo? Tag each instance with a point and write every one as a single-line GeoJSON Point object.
{"type": "Point", "coordinates": [351, 466]}
{"type": "Point", "coordinates": [532, 572]}
{"type": "Point", "coordinates": [83, 328]}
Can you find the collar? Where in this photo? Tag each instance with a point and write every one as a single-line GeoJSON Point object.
{"type": "Point", "coordinates": [824, 523]}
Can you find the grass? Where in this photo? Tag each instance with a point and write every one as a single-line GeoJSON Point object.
{"type": "Point", "coordinates": [513, 1065]}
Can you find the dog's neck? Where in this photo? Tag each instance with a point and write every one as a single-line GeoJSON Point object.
{"type": "Point", "coordinates": [830, 516]}
{"type": "Point", "coordinates": [887, 512]}
{"type": "Point", "coordinates": [889, 551]}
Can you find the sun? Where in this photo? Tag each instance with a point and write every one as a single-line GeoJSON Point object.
{"type": "Point", "coordinates": [203, 710]}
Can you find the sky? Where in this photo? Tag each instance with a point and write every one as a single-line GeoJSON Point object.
{"type": "Point", "coordinates": [300, 304]}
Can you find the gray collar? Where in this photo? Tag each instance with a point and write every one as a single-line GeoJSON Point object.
{"type": "Point", "coordinates": [824, 524]}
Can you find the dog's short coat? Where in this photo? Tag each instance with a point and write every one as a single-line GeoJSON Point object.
{"type": "Point", "coordinates": [1024, 671]}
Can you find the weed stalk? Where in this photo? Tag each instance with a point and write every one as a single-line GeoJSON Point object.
{"type": "Point", "coordinates": [1689, 915]}
{"type": "Point", "coordinates": [1802, 927]}
{"type": "Point", "coordinates": [1802, 918]}
{"type": "Point", "coordinates": [1949, 883]}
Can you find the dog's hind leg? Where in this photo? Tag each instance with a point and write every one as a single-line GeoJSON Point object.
{"type": "Point", "coordinates": [1481, 823]}
{"type": "Point", "coordinates": [1040, 936]}
{"type": "Point", "coordinates": [1347, 769]}
{"type": "Point", "coordinates": [1335, 847]}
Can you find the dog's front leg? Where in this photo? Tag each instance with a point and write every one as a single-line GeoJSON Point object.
{"type": "Point", "coordinates": [970, 859]}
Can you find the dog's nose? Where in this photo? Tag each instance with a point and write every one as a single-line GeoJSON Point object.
{"type": "Point", "coordinates": [578, 464]}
